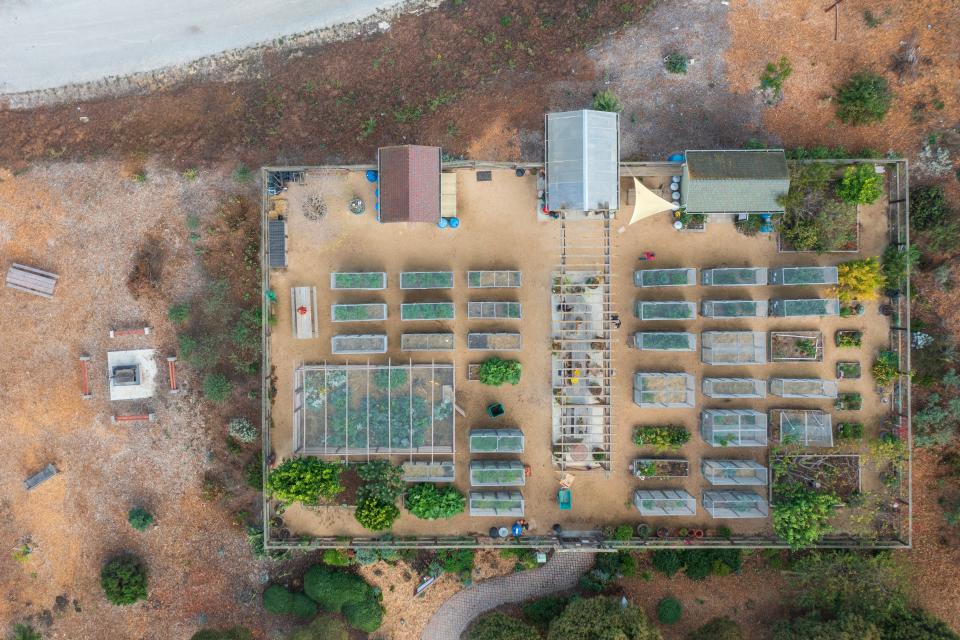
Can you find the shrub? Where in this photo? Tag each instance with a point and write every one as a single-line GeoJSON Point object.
{"type": "Point", "coordinates": [601, 617]}
{"type": "Point", "coordinates": [365, 556]}
{"type": "Point", "coordinates": [662, 437]}
{"type": "Point", "coordinates": [676, 63]}
{"type": "Point", "coordinates": [242, 174]}
{"type": "Point", "coordinates": [24, 631]}
{"type": "Point", "coordinates": [456, 561]}
{"type": "Point", "coordinates": [178, 313]}
{"type": "Point", "coordinates": [216, 387]}
{"type": "Point", "coordinates": [700, 563]}
{"type": "Point", "coordinates": [381, 480]}
{"type": "Point", "coordinates": [717, 629]}
{"type": "Point", "coordinates": [139, 518]}
{"type": "Point", "coordinates": [886, 368]}
{"type": "Point", "coordinates": [495, 371]}
{"type": "Point", "coordinates": [236, 633]}
{"type": "Point", "coordinates": [429, 502]}
{"type": "Point", "coordinates": [305, 480]}
{"type": "Point", "coordinates": [623, 532]}
{"type": "Point", "coordinates": [895, 264]}
{"type": "Point", "coordinates": [525, 558]}
{"type": "Point", "coordinates": [253, 472]}
{"type": "Point", "coordinates": [331, 589]}
{"type": "Point", "coordinates": [322, 628]}
{"type": "Point", "coordinates": [928, 207]}
{"type": "Point", "coordinates": [124, 580]}
{"type": "Point", "coordinates": [608, 567]}
{"type": "Point", "coordinates": [773, 76]}
{"type": "Point", "coordinates": [666, 561]}
{"type": "Point", "coordinates": [669, 610]}
{"type": "Point", "coordinates": [499, 626]}
{"type": "Point", "coordinates": [336, 558]}
{"type": "Point", "coordinates": [844, 582]}
{"type": "Point", "coordinates": [859, 280]}
{"type": "Point", "coordinates": [542, 610]}
{"type": "Point", "coordinates": [606, 101]}
{"type": "Point", "coordinates": [849, 431]}
{"type": "Point", "coordinates": [860, 184]}
{"type": "Point", "coordinates": [278, 600]}
{"type": "Point", "coordinates": [375, 514]}
{"type": "Point", "coordinates": [864, 98]}
{"type": "Point", "coordinates": [366, 615]}
{"type": "Point", "coordinates": [800, 514]}
{"type": "Point", "coordinates": [242, 429]}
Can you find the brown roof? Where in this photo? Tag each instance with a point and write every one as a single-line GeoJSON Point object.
{"type": "Point", "coordinates": [409, 183]}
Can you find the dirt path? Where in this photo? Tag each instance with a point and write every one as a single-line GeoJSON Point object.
{"type": "Point", "coordinates": [560, 573]}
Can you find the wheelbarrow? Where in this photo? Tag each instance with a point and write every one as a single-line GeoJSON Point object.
{"type": "Point", "coordinates": [565, 499]}
{"type": "Point", "coordinates": [495, 410]}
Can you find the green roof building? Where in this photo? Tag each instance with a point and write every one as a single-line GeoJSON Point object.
{"type": "Point", "coordinates": [742, 181]}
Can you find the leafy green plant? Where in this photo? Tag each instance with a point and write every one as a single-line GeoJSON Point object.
{"type": "Point", "coordinates": [542, 610]}
{"type": "Point", "coordinates": [389, 378]}
{"type": "Point", "coordinates": [216, 387]}
{"type": "Point", "coordinates": [848, 401]}
{"type": "Point", "coordinates": [859, 280]}
{"type": "Point", "coordinates": [280, 601]}
{"type": "Point", "coordinates": [456, 561]}
{"type": "Point", "coordinates": [895, 263]}
{"type": "Point", "coordinates": [339, 591]}
{"type": "Point", "coordinates": [139, 518]}
{"type": "Point", "coordinates": [336, 558]}
{"type": "Point", "coordinates": [429, 502]}
{"type": "Point", "coordinates": [849, 431]}
{"type": "Point", "coordinates": [661, 437]}
{"type": "Point", "coordinates": [124, 580]}
{"type": "Point", "coordinates": [601, 617]}
{"type": "Point", "coordinates": [622, 532]}
{"type": "Point", "coordinates": [496, 371]}
{"type": "Point", "coordinates": [800, 514]}
{"type": "Point", "coordinates": [242, 429]}
{"type": "Point", "coordinates": [606, 101]}
{"type": "Point", "coordinates": [178, 313]}
{"type": "Point", "coordinates": [375, 514]}
{"type": "Point", "coordinates": [242, 174]}
{"type": "Point", "coordinates": [25, 631]}
{"type": "Point", "coordinates": [382, 480]}
{"type": "Point", "coordinates": [848, 338]}
{"type": "Point", "coordinates": [886, 368]}
{"type": "Point", "coordinates": [305, 480]}
{"type": "Point", "coordinates": [676, 63]}
{"type": "Point", "coordinates": [717, 629]}
{"type": "Point", "coordinates": [666, 561]}
{"type": "Point", "coordinates": [499, 626]}
{"type": "Point", "coordinates": [928, 207]}
{"type": "Point", "coordinates": [864, 98]}
{"type": "Point", "coordinates": [669, 610]}
{"type": "Point", "coordinates": [608, 567]}
{"type": "Point", "coordinates": [253, 472]}
{"type": "Point", "coordinates": [774, 75]}
{"type": "Point", "coordinates": [860, 184]}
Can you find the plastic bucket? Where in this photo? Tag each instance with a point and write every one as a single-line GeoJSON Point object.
{"type": "Point", "coordinates": [372, 175]}
{"type": "Point", "coordinates": [454, 222]}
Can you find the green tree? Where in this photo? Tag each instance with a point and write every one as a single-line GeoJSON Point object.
{"type": "Point", "coordinates": [601, 618]}
{"type": "Point", "coordinates": [860, 184]}
{"type": "Point", "coordinates": [305, 480]}
{"type": "Point", "coordinates": [139, 518]}
{"type": "Point", "coordinates": [859, 279]}
{"type": "Point", "coordinates": [842, 582]}
{"type": "Point", "coordinates": [236, 633]}
{"type": "Point", "coordinates": [366, 615]}
{"type": "Point", "coordinates": [499, 626]}
{"type": "Point", "coordinates": [280, 601]}
{"type": "Point", "coordinates": [338, 591]}
{"type": "Point", "coordinates": [495, 372]}
{"type": "Point", "coordinates": [429, 502]}
{"type": "Point", "coordinates": [864, 98]}
{"type": "Point", "coordinates": [928, 207]}
{"type": "Point", "coordinates": [606, 101]}
{"type": "Point", "coordinates": [542, 610]}
{"type": "Point", "coordinates": [669, 610]}
{"type": "Point", "coordinates": [24, 631]}
{"type": "Point", "coordinates": [895, 263]}
{"type": "Point", "coordinates": [124, 580]}
{"type": "Point", "coordinates": [800, 515]}
{"type": "Point", "coordinates": [216, 387]}
{"type": "Point", "coordinates": [847, 627]}
{"type": "Point", "coordinates": [717, 629]}
{"type": "Point", "coordinates": [322, 628]}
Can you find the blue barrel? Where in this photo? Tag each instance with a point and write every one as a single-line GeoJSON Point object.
{"type": "Point", "coordinates": [376, 192]}
{"type": "Point", "coordinates": [376, 206]}
{"type": "Point", "coordinates": [372, 175]}
{"type": "Point", "coordinates": [442, 223]}
{"type": "Point", "coordinates": [516, 529]}
{"type": "Point", "coordinates": [677, 157]}
{"type": "Point", "coordinates": [454, 223]}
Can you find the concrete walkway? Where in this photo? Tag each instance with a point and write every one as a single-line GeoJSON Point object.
{"type": "Point", "coordinates": [559, 574]}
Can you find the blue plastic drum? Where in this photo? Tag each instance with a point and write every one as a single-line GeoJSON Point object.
{"type": "Point", "coordinates": [454, 223]}
{"type": "Point", "coordinates": [372, 175]}
{"type": "Point", "coordinates": [442, 223]}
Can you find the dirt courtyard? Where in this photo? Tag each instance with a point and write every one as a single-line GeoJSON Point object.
{"type": "Point", "coordinates": [498, 217]}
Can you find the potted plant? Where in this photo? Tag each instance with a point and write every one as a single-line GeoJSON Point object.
{"type": "Point", "coordinates": [643, 530]}
{"type": "Point", "coordinates": [663, 532]}
{"type": "Point", "coordinates": [683, 532]}
{"type": "Point", "coordinates": [698, 533]}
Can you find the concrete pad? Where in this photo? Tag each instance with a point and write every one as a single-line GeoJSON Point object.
{"type": "Point", "coordinates": [142, 358]}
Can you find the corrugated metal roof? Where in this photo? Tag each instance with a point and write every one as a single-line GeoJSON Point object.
{"type": "Point", "coordinates": [750, 181]}
{"type": "Point", "coordinates": [582, 163]}
{"type": "Point", "coordinates": [409, 183]}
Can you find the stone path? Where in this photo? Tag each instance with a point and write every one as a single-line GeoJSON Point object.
{"type": "Point", "coordinates": [560, 573]}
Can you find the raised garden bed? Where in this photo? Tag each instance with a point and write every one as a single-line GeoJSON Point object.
{"type": "Point", "coordinates": [497, 310]}
{"type": "Point", "coordinates": [645, 468]}
{"type": "Point", "coordinates": [505, 504]}
{"type": "Point", "coordinates": [494, 341]}
{"type": "Point", "coordinates": [796, 346]}
{"type": "Point", "coordinates": [357, 344]}
{"type": "Point", "coordinates": [664, 341]}
{"type": "Point", "coordinates": [848, 401]}
{"type": "Point", "coordinates": [426, 280]}
{"type": "Point", "coordinates": [497, 473]}
{"type": "Point", "coordinates": [734, 277]}
{"type": "Point", "coordinates": [848, 370]}
{"type": "Point", "coordinates": [426, 342]}
{"type": "Point", "coordinates": [358, 312]}
{"type": "Point", "coordinates": [494, 279]}
{"type": "Point", "coordinates": [849, 431]}
{"type": "Point", "coordinates": [735, 308]}
{"type": "Point", "coordinates": [803, 276]}
{"type": "Point", "coordinates": [649, 310]}
{"type": "Point", "coordinates": [849, 338]}
{"type": "Point", "coordinates": [427, 311]}
{"type": "Point", "coordinates": [665, 277]}
{"type": "Point", "coordinates": [367, 281]}
{"type": "Point", "coordinates": [423, 471]}
{"type": "Point", "coordinates": [806, 307]}
{"type": "Point", "coordinates": [496, 441]}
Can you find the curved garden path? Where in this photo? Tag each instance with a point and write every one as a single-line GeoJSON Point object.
{"type": "Point", "coordinates": [560, 573]}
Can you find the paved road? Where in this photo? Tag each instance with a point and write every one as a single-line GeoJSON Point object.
{"type": "Point", "coordinates": [50, 43]}
{"type": "Point", "coordinates": [562, 572]}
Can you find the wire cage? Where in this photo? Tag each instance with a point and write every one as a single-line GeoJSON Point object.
{"type": "Point", "coordinates": [810, 428]}
{"type": "Point", "coordinates": [735, 309]}
{"type": "Point", "coordinates": [734, 472]}
{"type": "Point", "coordinates": [734, 388]}
{"type": "Point", "coordinates": [665, 341]}
{"type": "Point", "coordinates": [494, 279]}
{"type": "Point", "coordinates": [735, 504]}
{"type": "Point", "coordinates": [426, 280]}
{"type": "Point", "coordinates": [734, 277]}
{"type": "Point", "coordinates": [734, 427]}
{"type": "Point", "coordinates": [806, 307]}
{"type": "Point", "coordinates": [497, 473]}
{"type": "Point", "coordinates": [664, 502]}
{"type": "Point", "coordinates": [505, 504]}
{"type": "Point", "coordinates": [663, 390]}
{"type": "Point", "coordinates": [665, 310]}
{"type": "Point", "coordinates": [803, 388]}
{"type": "Point", "coordinates": [733, 347]}
{"type": "Point", "coordinates": [665, 277]}
{"type": "Point", "coordinates": [355, 344]}
{"type": "Point", "coordinates": [804, 275]}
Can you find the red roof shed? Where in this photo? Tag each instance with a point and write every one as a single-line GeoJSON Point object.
{"type": "Point", "coordinates": [409, 183]}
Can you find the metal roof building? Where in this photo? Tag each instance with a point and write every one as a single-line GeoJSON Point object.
{"type": "Point", "coordinates": [409, 181]}
{"type": "Point", "coordinates": [582, 160]}
{"type": "Point", "coordinates": [741, 181]}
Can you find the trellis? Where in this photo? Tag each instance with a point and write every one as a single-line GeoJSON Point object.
{"type": "Point", "coordinates": [664, 502]}
{"type": "Point", "coordinates": [792, 340]}
{"type": "Point", "coordinates": [804, 276]}
{"type": "Point", "coordinates": [665, 277]}
{"type": "Point", "coordinates": [803, 388]}
{"type": "Point", "coordinates": [734, 388]}
{"type": "Point", "coordinates": [836, 473]}
{"type": "Point", "coordinates": [733, 347]}
{"type": "Point", "coordinates": [734, 427]}
{"type": "Point", "coordinates": [734, 472]}
{"type": "Point", "coordinates": [735, 504]}
{"type": "Point", "coordinates": [735, 309]}
{"type": "Point", "coordinates": [734, 276]}
{"type": "Point", "coordinates": [665, 341]}
{"type": "Point", "coordinates": [663, 390]}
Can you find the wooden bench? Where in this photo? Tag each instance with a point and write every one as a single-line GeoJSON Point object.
{"type": "Point", "coordinates": [31, 280]}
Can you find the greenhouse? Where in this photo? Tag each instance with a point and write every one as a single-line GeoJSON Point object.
{"type": "Point", "coordinates": [426, 280]}
{"type": "Point", "coordinates": [803, 388]}
{"type": "Point", "coordinates": [735, 504]}
{"type": "Point", "coordinates": [426, 342]}
{"type": "Point", "coordinates": [494, 279]}
{"type": "Point", "coordinates": [494, 341]}
{"type": "Point", "coordinates": [734, 472]}
{"type": "Point", "coordinates": [363, 281]}
{"type": "Point", "coordinates": [426, 471]}
{"type": "Point", "coordinates": [358, 312]}
{"type": "Point", "coordinates": [734, 427]}
{"type": "Point", "coordinates": [665, 277]}
{"type": "Point", "coordinates": [665, 341]}
{"type": "Point", "coordinates": [427, 311]}
{"type": "Point", "coordinates": [663, 390]}
{"type": "Point", "coordinates": [497, 473]}
{"type": "Point", "coordinates": [498, 310]}
{"type": "Point", "coordinates": [734, 388]}
{"type": "Point", "coordinates": [803, 275]}
{"type": "Point", "coordinates": [812, 428]}
{"type": "Point", "coordinates": [805, 307]}
{"type": "Point", "coordinates": [666, 502]}
{"type": "Point", "coordinates": [735, 308]}
{"type": "Point", "coordinates": [733, 347]}
{"type": "Point", "coordinates": [496, 441]}
{"type": "Point", "coordinates": [363, 410]}
{"type": "Point", "coordinates": [677, 310]}
{"type": "Point", "coordinates": [506, 504]}
{"type": "Point", "coordinates": [734, 277]}
{"type": "Point", "coordinates": [354, 344]}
